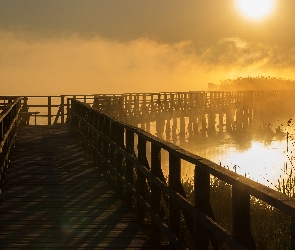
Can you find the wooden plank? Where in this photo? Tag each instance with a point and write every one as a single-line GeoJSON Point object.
{"type": "Point", "coordinates": [54, 197]}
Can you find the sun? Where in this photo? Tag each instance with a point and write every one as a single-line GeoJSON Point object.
{"type": "Point", "coordinates": [255, 9]}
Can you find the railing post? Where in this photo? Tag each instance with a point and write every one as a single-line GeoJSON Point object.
{"type": "Point", "coordinates": [174, 183]}
{"type": "Point", "coordinates": [49, 110]}
{"type": "Point", "coordinates": [25, 104]}
{"type": "Point", "coordinates": [143, 106]}
{"type": "Point", "coordinates": [140, 182]}
{"type": "Point", "coordinates": [69, 116]}
{"type": "Point", "coordinates": [62, 109]}
{"type": "Point", "coordinates": [136, 104]}
{"type": "Point", "coordinates": [107, 151]}
{"type": "Point", "coordinates": [2, 129]}
{"type": "Point", "coordinates": [101, 145]}
{"type": "Point", "coordinates": [120, 142]}
{"type": "Point", "coordinates": [122, 112]}
{"type": "Point", "coordinates": [159, 110]}
{"type": "Point", "coordinates": [292, 233]}
{"type": "Point", "coordinates": [95, 140]}
{"type": "Point", "coordinates": [202, 202]}
{"type": "Point", "coordinates": [112, 150]}
{"type": "Point", "coordinates": [129, 165]}
{"type": "Point", "coordinates": [241, 218]}
{"type": "Point", "coordinates": [155, 192]}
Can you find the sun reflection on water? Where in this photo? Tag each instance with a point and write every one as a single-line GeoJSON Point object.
{"type": "Point", "coordinates": [267, 163]}
{"type": "Point", "coordinates": [260, 162]}
{"type": "Point", "coordinates": [264, 156]}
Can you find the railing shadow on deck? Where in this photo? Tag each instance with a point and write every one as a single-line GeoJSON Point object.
{"type": "Point", "coordinates": [119, 151]}
{"type": "Point", "coordinates": [55, 198]}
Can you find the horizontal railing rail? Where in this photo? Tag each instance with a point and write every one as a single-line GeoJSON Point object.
{"type": "Point", "coordinates": [9, 121]}
{"type": "Point", "coordinates": [5, 101]}
{"type": "Point", "coordinates": [130, 106]}
{"type": "Point", "coordinates": [48, 110]}
{"type": "Point", "coordinates": [120, 152]}
{"type": "Point", "coordinates": [136, 106]}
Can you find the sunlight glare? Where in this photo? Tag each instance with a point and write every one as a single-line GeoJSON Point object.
{"type": "Point", "coordinates": [261, 163]}
{"type": "Point", "coordinates": [255, 9]}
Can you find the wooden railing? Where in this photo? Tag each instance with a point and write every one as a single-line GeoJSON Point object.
{"type": "Point", "coordinates": [5, 101]}
{"type": "Point", "coordinates": [9, 121]}
{"type": "Point", "coordinates": [120, 153]}
{"type": "Point", "coordinates": [136, 106]}
{"type": "Point", "coordinates": [48, 110]}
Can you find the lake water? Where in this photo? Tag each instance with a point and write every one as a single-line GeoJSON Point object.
{"type": "Point", "coordinates": [261, 162]}
{"type": "Point", "coordinates": [263, 157]}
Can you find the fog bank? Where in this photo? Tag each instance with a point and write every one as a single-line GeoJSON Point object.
{"type": "Point", "coordinates": [72, 64]}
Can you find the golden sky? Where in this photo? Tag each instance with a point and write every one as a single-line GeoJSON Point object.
{"type": "Point", "coordinates": [116, 46]}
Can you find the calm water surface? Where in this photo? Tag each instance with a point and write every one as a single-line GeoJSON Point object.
{"type": "Point", "coordinates": [261, 162]}
{"type": "Point", "coordinates": [267, 160]}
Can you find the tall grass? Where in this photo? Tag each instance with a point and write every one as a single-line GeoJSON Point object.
{"type": "Point", "coordinates": [286, 182]}
{"type": "Point", "coordinates": [271, 228]}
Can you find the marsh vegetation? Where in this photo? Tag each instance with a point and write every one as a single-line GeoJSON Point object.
{"type": "Point", "coordinates": [270, 227]}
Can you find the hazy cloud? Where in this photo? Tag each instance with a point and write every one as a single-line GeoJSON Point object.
{"type": "Point", "coordinates": [236, 57]}
{"type": "Point", "coordinates": [73, 64]}
{"type": "Point", "coordinates": [240, 54]}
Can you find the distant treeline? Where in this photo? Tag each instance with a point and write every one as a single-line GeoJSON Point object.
{"type": "Point", "coordinates": [256, 83]}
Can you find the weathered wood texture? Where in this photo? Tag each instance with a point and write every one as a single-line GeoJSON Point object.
{"type": "Point", "coordinates": [53, 197]}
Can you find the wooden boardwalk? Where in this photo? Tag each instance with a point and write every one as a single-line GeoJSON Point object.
{"type": "Point", "coordinates": [53, 197]}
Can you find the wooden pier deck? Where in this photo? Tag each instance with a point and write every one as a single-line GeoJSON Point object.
{"type": "Point", "coordinates": [53, 197]}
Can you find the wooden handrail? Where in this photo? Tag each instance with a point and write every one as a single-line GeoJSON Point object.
{"type": "Point", "coordinates": [97, 131]}
{"type": "Point", "coordinates": [9, 121]}
{"type": "Point", "coordinates": [133, 107]}
{"type": "Point", "coordinates": [48, 110]}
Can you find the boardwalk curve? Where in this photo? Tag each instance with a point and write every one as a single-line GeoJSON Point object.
{"type": "Point", "coordinates": [53, 197]}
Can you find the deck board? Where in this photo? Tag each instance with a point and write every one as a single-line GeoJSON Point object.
{"type": "Point", "coordinates": [53, 197]}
